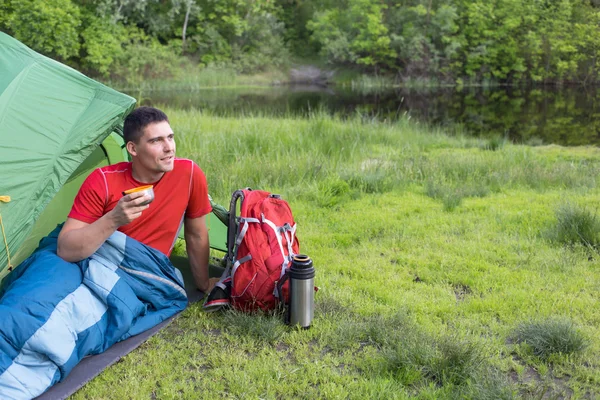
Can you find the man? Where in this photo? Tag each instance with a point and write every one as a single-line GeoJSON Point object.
{"type": "Point", "coordinates": [180, 191]}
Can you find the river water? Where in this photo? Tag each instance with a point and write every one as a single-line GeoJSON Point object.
{"type": "Point", "coordinates": [567, 116]}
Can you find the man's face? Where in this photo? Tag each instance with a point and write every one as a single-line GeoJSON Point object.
{"type": "Point", "coordinates": [155, 151]}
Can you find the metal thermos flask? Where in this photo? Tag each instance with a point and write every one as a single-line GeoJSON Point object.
{"type": "Point", "coordinates": [302, 291]}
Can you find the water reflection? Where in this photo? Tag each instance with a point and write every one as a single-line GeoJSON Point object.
{"type": "Point", "coordinates": [566, 116]}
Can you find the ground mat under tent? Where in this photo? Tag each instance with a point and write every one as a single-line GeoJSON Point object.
{"type": "Point", "coordinates": [92, 366]}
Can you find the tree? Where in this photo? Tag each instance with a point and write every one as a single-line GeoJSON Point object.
{"type": "Point", "coordinates": [119, 10]}
{"type": "Point", "coordinates": [425, 35]}
{"type": "Point", "coordinates": [102, 43]}
{"type": "Point", "coordinates": [354, 32]}
{"type": "Point", "coordinates": [191, 8]}
{"type": "Point", "coordinates": [50, 27]}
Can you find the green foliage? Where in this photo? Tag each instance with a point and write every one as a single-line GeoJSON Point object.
{"type": "Point", "coordinates": [514, 40]}
{"type": "Point", "coordinates": [102, 43]}
{"type": "Point", "coordinates": [245, 33]}
{"type": "Point", "coordinates": [6, 12]}
{"type": "Point", "coordinates": [50, 27]}
{"type": "Point", "coordinates": [549, 337]}
{"type": "Point", "coordinates": [127, 12]}
{"type": "Point", "coordinates": [354, 32]}
{"type": "Point", "coordinates": [453, 41]}
{"type": "Point", "coordinates": [506, 40]}
{"type": "Point", "coordinates": [295, 14]}
{"type": "Point", "coordinates": [261, 44]}
{"type": "Point", "coordinates": [425, 37]}
{"type": "Point", "coordinates": [144, 57]}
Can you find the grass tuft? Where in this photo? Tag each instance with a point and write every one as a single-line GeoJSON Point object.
{"type": "Point", "coordinates": [452, 200]}
{"type": "Point", "coordinates": [455, 362]}
{"type": "Point", "coordinates": [418, 360]}
{"type": "Point", "coordinates": [576, 225]}
{"type": "Point", "coordinates": [450, 361]}
{"type": "Point", "coordinates": [552, 336]}
{"type": "Point", "coordinates": [370, 181]}
{"type": "Point", "coordinates": [490, 385]}
{"type": "Point", "coordinates": [332, 192]}
{"type": "Point", "coordinates": [494, 143]}
{"type": "Point", "coordinates": [452, 196]}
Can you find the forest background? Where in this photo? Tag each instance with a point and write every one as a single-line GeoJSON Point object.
{"type": "Point", "coordinates": [442, 41]}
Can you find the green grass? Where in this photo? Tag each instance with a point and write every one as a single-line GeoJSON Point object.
{"type": "Point", "coordinates": [421, 295]}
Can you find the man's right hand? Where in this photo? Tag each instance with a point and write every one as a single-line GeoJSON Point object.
{"type": "Point", "coordinates": [129, 208]}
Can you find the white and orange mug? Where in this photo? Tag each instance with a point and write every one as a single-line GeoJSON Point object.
{"type": "Point", "coordinates": [147, 190]}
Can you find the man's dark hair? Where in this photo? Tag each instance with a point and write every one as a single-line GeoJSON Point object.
{"type": "Point", "coordinates": [138, 120]}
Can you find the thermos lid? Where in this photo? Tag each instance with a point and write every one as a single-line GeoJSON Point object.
{"type": "Point", "coordinates": [301, 261]}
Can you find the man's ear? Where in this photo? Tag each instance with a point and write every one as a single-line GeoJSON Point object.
{"type": "Point", "coordinates": [130, 146]}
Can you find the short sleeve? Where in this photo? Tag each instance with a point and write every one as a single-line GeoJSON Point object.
{"type": "Point", "coordinates": [89, 203]}
{"type": "Point", "coordinates": [199, 204]}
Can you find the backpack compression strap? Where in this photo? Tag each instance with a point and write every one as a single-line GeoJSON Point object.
{"type": "Point", "coordinates": [289, 232]}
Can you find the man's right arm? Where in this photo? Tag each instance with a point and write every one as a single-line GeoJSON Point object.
{"type": "Point", "coordinates": [78, 240]}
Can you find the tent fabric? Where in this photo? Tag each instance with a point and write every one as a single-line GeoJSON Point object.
{"type": "Point", "coordinates": [56, 211]}
{"type": "Point", "coordinates": [51, 119]}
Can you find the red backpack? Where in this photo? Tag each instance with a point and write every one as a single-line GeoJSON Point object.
{"type": "Point", "coordinates": [261, 242]}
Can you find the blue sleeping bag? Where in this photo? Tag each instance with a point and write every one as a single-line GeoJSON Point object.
{"type": "Point", "coordinates": [54, 313]}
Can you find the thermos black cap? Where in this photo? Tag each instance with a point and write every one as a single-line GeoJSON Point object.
{"type": "Point", "coordinates": [301, 261]}
{"type": "Point", "coordinates": [302, 267]}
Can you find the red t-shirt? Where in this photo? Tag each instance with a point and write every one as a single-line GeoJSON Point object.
{"type": "Point", "coordinates": [180, 192]}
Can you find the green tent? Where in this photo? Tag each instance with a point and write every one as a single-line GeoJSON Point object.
{"type": "Point", "coordinates": [56, 126]}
